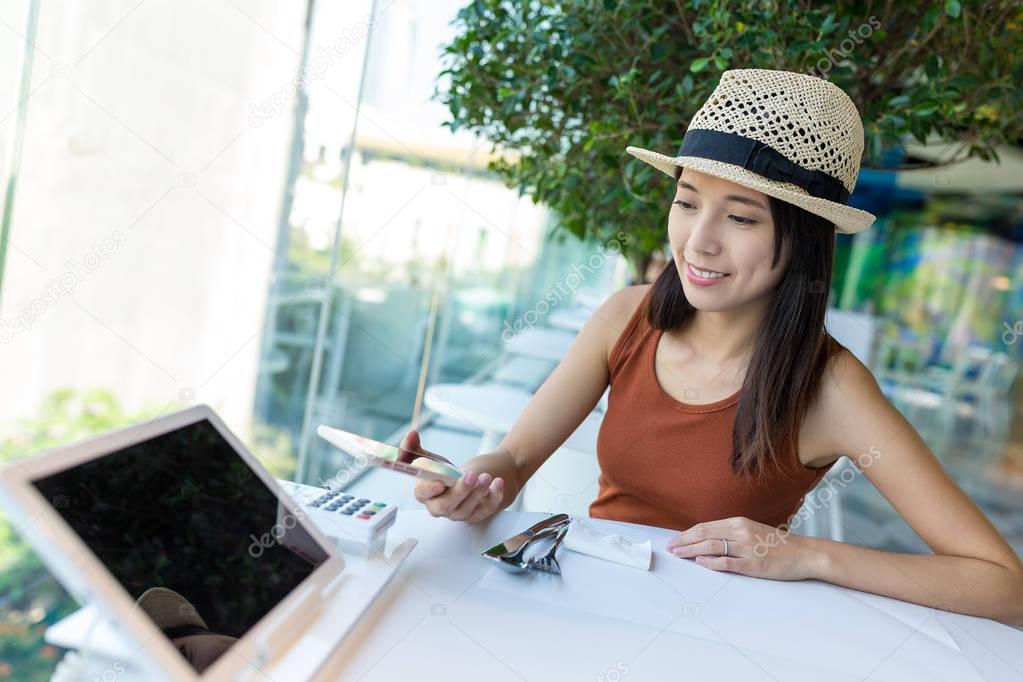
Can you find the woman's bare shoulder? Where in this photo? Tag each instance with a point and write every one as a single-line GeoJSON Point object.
{"type": "Point", "coordinates": [617, 310]}
{"type": "Point", "coordinates": [620, 305]}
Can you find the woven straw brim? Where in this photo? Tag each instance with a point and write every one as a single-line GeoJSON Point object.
{"type": "Point", "coordinates": [847, 220]}
{"type": "Point", "coordinates": [168, 609]}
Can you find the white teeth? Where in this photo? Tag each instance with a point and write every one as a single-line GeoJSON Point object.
{"type": "Point", "coordinates": [706, 273]}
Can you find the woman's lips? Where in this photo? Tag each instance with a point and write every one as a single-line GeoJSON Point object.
{"type": "Point", "coordinates": [701, 281]}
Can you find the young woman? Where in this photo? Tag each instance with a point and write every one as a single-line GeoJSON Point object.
{"type": "Point", "coordinates": [728, 400]}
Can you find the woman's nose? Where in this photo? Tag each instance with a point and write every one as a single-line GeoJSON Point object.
{"type": "Point", "coordinates": [703, 237]}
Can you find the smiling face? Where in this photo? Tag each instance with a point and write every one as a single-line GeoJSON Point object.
{"type": "Point", "coordinates": [718, 225]}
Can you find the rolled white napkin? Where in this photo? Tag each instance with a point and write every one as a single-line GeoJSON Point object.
{"type": "Point", "coordinates": [584, 538]}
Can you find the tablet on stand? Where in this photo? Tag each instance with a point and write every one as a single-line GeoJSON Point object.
{"type": "Point", "coordinates": [152, 527]}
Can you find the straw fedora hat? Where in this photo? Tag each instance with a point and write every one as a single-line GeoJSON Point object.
{"type": "Point", "coordinates": [794, 137]}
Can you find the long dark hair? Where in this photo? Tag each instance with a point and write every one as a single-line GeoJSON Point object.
{"type": "Point", "coordinates": [790, 351]}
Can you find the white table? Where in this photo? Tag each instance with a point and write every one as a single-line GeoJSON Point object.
{"type": "Point", "coordinates": [523, 372]}
{"type": "Point", "coordinates": [446, 613]}
{"type": "Point", "coordinates": [493, 409]}
{"type": "Point", "coordinates": [572, 319]}
{"type": "Point", "coordinates": [449, 614]}
{"type": "Point", "coordinates": [543, 344]}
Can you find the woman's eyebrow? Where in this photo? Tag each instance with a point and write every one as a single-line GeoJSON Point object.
{"type": "Point", "coordinates": [745, 200]}
{"type": "Point", "coordinates": [731, 197]}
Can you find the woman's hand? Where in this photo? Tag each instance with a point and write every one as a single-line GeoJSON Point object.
{"type": "Point", "coordinates": [475, 497]}
{"type": "Point", "coordinates": [754, 549]}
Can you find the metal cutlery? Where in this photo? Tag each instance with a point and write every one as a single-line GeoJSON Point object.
{"type": "Point", "coordinates": [549, 562]}
{"type": "Point", "coordinates": [510, 554]}
{"type": "Point", "coordinates": [516, 542]}
{"type": "Point", "coordinates": [516, 563]}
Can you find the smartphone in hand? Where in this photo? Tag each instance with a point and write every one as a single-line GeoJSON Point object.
{"type": "Point", "coordinates": [390, 457]}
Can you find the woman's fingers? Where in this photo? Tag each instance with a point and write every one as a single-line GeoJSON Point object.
{"type": "Point", "coordinates": [467, 506]}
{"type": "Point", "coordinates": [425, 490]}
{"type": "Point", "coordinates": [701, 531]}
{"type": "Point", "coordinates": [473, 498]}
{"type": "Point", "coordinates": [713, 547]}
{"type": "Point", "coordinates": [409, 444]}
{"type": "Point", "coordinates": [411, 448]}
{"type": "Point", "coordinates": [448, 501]}
{"type": "Point", "coordinates": [490, 504]}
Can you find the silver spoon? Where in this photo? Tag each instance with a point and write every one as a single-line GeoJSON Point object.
{"type": "Point", "coordinates": [515, 562]}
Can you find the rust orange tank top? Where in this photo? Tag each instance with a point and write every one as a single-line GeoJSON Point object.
{"type": "Point", "coordinates": [666, 463]}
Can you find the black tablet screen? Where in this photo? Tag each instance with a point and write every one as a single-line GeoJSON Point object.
{"type": "Point", "coordinates": [182, 512]}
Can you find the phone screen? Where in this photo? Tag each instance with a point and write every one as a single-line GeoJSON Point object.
{"type": "Point", "coordinates": [388, 456]}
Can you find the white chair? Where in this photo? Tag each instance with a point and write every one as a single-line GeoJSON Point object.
{"type": "Point", "coordinates": [857, 332]}
{"type": "Point", "coordinates": [567, 481]}
{"type": "Point", "coordinates": [823, 514]}
{"type": "Point", "coordinates": [854, 330]}
{"type": "Point", "coordinates": [990, 392]}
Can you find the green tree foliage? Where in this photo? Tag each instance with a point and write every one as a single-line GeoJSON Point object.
{"type": "Point", "coordinates": [30, 598]}
{"type": "Point", "coordinates": [563, 86]}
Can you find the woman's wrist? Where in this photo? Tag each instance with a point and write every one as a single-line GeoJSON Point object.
{"type": "Point", "coordinates": [818, 558]}
{"type": "Point", "coordinates": [499, 464]}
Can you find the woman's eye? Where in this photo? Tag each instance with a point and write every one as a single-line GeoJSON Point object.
{"type": "Point", "coordinates": [742, 221]}
{"type": "Point", "coordinates": [683, 204]}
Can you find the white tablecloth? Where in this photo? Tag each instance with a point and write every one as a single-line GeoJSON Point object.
{"type": "Point", "coordinates": [449, 614]}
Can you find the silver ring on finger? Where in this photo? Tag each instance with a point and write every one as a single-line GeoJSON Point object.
{"type": "Point", "coordinates": [725, 543]}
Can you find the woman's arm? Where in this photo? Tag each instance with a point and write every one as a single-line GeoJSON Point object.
{"type": "Point", "coordinates": [494, 479]}
{"type": "Point", "coordinates": [573, 388]}
{"type": "Point", "coordinates": [973, 570]}
{"type": "Point", "coordinates": [951, 583]}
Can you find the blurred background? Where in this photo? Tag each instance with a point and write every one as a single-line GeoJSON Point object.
{"type": "Point", "coordinates": [283, 211]}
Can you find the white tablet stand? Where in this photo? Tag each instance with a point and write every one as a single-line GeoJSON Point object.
{"type": "Point", "coordinates": [100, 652]}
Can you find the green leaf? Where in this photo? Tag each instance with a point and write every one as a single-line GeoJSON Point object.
{"type": "Point", "coordinates": [828, 24]}
{"type": "Point", "coordinates": [699, 64]}
{"type": "Point", "coordinates": [964, 81]}
{"type": "Point", "coordinates": [953, 8]}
